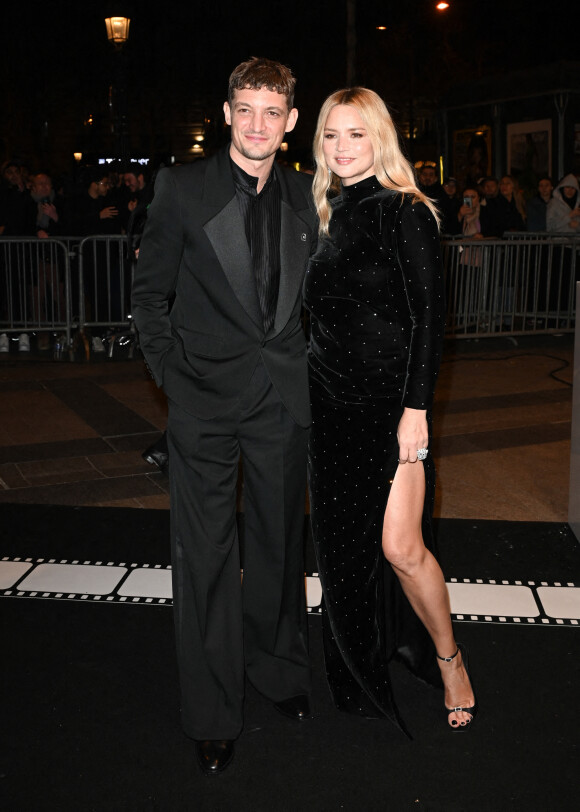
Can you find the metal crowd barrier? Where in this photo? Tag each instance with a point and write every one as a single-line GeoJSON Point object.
{"type": "Point", "coordinates": [519, 285]}
{"type": "Point", "coordinates": [550, 236]}
{"type": "Point", "coordinates": [77, 288]}
{"type": "Point", "coordinates": [70, 288]}
{"type": "Point", "coordinates": [104, 290]}
{"type": "Point", "coordinates": [35, 286]}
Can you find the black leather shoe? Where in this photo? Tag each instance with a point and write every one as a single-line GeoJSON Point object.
{"type": "Point", "coordinates": [214, 755]}
{"type": "Point", "coordinates": [155, 457]}
{"type": "Point", "coordinates": [297, 707]}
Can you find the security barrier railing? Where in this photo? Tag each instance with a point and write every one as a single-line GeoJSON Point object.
{"type": "Point", "coordinates": [104, 282]}
{"type": "Point", "coordinates": [35, 286]}
{"type": "Point", "coordinates": [519, 285]}
{"type": "Point", "coordinates": [541, 235]}
{"type": "Point", "coordinates": [77, 288]}
{"type": "Point", "coordinates": [66, 287]}
{"type": "Point", "coordinates": [104, 295]}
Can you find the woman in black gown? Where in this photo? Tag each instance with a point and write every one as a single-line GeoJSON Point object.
{"type": "Point", "coordinates": [374, 290]}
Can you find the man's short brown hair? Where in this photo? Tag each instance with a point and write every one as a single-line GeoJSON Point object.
{"type": "Point", "coordinates": [257, 73]}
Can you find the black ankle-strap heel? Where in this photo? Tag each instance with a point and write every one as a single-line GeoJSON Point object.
{"type": "Point", "coordinates": [471, 710]}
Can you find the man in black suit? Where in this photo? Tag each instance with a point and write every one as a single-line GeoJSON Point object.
{"type": "Point", "coordinates": [227, 240]}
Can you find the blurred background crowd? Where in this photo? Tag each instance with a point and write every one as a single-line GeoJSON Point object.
{"type": "Point", "coordinates": [114, 199]}
{"type": "Point", "coordinates": [493, 206]}
{"type": "Point", "coordinates": [102, 201]}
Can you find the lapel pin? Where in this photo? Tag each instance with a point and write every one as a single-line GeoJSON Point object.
{"type": "Point", "coordinates": [303, 237]}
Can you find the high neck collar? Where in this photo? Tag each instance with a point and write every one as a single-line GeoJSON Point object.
{"type": "Point", "coordinates": [363, 188]}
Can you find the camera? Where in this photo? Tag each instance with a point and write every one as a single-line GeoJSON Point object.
{"type": "Point", "coordinates": [467, 201]}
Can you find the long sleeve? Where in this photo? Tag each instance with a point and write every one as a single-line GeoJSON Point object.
{"type": "Point", "coordinates": [419, 252]}
{"type": "Point", "coordinates": [156, 273]}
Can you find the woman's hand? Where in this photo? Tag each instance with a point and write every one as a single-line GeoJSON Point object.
{"type": "Point", "coordinates": [412, 434]}
{"type": "Point", "coordinates": [50, 210]}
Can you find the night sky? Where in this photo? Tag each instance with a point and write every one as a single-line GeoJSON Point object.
{"type": "Point", "coordinates": [56, 64]}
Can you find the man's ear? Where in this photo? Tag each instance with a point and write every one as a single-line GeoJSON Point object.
{"type": "Point", "coordinates": [227, 113]}
{"type": "Point", "coordinates": [292, 119]}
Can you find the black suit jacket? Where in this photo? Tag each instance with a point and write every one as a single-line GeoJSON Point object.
{"type": "Point", "coordinates": [204, 350]}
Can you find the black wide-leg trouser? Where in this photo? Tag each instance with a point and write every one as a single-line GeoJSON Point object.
{"type": "Point", "coordinates": [226, 626]}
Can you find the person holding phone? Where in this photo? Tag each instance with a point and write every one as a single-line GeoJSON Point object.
{"type": "Point", "coordinates": [473, 218]}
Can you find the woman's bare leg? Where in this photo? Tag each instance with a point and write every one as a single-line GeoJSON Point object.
{"type": "Point", "coordinates": [423, 582]}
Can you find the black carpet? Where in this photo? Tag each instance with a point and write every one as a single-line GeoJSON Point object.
{"type": "Point", "coordinates": [90, 704]}
{"type": "Point", "coordinates": [467, 547]}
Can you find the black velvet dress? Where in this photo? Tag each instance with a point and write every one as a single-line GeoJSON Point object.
{"type": "Point", "coordinates": [374, 290]}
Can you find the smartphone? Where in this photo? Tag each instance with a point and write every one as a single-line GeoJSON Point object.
{"type": "Point", "coordinates": [467, 201]}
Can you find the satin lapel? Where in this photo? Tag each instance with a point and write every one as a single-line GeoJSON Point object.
{"type": "Point", "coordinates": [294, 251]}
{"type": "Point", "coordinates": [227, 234]}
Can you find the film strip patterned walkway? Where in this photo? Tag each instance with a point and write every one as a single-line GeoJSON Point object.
{"type": "Point", "coordinates": [473, 600]}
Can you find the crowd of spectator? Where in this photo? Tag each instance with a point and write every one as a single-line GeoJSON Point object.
{"type": "Point", "coordinates": [103, 201]}
{"type": "Point", "coordinates": [492, 207]}
{"type": "Point", "coordinates": [114, 200]}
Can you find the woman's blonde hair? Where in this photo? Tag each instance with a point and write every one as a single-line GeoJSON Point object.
{"type": "Point", "coordinates": [392, 169]}
{"type": "Point", "coordinates": [517, 195]}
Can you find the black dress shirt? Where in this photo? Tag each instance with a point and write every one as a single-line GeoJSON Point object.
{"type": "Point", "coordinates": [261, 213]}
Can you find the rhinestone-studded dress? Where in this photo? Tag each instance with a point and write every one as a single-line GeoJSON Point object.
{"type": "Point", "coordinates": [374, 290]}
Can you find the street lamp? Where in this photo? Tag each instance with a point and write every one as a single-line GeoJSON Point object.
{"type": "Point", "coordinates": [118, 34]}
{"type": "Point", "coordinates": [118, 30]}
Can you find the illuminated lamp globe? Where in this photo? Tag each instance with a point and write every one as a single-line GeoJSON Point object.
{"type": "Point", "coordinates": [117, 30]}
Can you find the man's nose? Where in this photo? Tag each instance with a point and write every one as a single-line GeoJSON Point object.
{"type": "Point", "coordinates": [258, 122]}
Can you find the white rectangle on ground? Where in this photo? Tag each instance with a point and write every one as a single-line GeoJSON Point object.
{"type": "Point", "coordinates": [492, 599]}
{"type": "Point", "coordinates": [560, 601]}
{"type": "Point", "coordinates": [11, 572]}
{"type": "Point", "coordinates": [147, 583]}
{"type": "Point", "coordinates": [84, 579]}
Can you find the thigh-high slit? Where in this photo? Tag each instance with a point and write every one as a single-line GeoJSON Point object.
{"type": "Point", "coordinates": [367, 619]}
